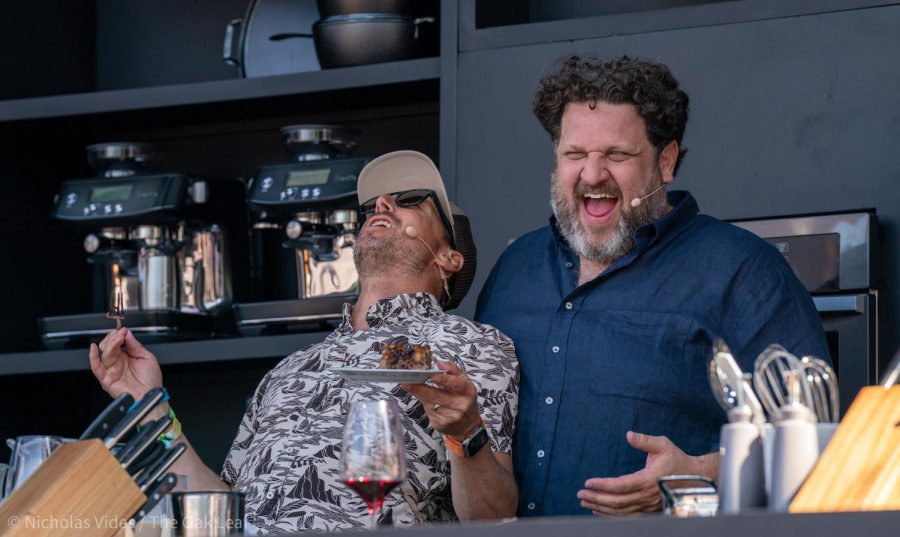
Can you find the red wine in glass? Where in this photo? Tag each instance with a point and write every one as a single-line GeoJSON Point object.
{"type": "Point", "coordinates": [373, 457]}
{"type": "Point", "coordinates": [372, 491]}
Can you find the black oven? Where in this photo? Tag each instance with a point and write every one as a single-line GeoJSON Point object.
{"type": "Point", "coordinates": [835, 255]}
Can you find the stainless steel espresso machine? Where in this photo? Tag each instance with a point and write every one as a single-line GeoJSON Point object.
{"type": "Point", "coordinates": [162, 244]}
{"type": "Point", "coordinates": [305, 223]}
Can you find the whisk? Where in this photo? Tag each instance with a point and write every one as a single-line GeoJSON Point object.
{"type": "Point", "coordinates": [772, 369]}
{"type": "Point", "coordinates": [823, 385]}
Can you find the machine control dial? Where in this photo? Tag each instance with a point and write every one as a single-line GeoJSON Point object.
{"type": "Point", "coordinates": [91, 243]}
{"type": "Point", "coordinates": [71, 198]}
{"type": "Point", "coordinates": [266, 184]}
{"type": "Point", "coordinates": [293, 229]}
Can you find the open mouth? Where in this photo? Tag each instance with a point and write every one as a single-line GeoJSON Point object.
{"type": "Point", "coordinates": [379, 222]}
{"type": "Point", "coordinates": [599, 206]}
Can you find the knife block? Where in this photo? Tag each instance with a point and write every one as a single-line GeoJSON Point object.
{"type": "Point", "coordinates": [81, 489]}
{"type": "Point", "coordinates": [860, 468]}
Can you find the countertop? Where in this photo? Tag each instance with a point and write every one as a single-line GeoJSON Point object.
{"type": "Point", "coordinates": [760, 524]}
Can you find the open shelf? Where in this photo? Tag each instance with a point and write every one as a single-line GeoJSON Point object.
{"type": "Point", "coordinates": [213, 350]}
{"type": "Point", "coordinates": [221, 91]}
{"type": "Point", "coordinates": [488, 24]}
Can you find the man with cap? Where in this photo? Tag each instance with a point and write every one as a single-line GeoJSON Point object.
{"type": "Point", "coordinates": [415, 259]}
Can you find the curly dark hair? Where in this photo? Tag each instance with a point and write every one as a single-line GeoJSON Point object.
{"type": "Point", "coordinates": [649, 86]}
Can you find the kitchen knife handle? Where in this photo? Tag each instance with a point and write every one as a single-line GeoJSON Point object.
{"type": "Point", "coordinates": [156, 493]}
{"type": "Point", "coordinates": [158, 468]}
{"type": "Point", "coordinates": [103, 424]}
{"type": "Point", "coordinates": [147, 458]}
{"type": "Point", "coordinates": [144, 406]}
{"type": "Point", "coordinates": [143, 440]}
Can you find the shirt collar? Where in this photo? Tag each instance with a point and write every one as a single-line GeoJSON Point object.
{"type": "Point", "coordinates": [684, 207]}
{"type": "Point", "coordinates": [400, 309]}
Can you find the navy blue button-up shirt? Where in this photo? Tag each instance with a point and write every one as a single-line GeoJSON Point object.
{"type": "Point", "coordinates": [629, 350]}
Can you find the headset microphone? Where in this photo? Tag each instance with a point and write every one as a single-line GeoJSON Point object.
{"type": "Point", "coordinates": [412, 232]}
{"type": "Point", "coordinates": [636, 202]}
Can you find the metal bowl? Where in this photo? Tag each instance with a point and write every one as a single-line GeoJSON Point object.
{"type": "Point", "coordinates": [118, 159]}
{"type": "Point", "coordinates": [317, 142]}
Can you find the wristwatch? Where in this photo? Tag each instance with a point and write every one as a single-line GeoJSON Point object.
{"type": "Point", "coordinates": [471, 445]}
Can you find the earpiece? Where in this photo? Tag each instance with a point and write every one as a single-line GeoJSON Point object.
{"type": "Point", "coordinates": [414, 233]}
{"type": "Point", "coordinates": [636, 202]}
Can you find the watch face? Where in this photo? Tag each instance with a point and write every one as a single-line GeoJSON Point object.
{"type": "Point", "coordinates": [474, 444]}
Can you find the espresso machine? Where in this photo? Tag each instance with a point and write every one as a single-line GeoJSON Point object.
{"type": "Point", "coordinates": [162, 246]}
{"type": "Point", "coordinates": [305, 223]}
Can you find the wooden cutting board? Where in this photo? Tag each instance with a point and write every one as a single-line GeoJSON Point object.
{"type": "Point", "coordinates": [860, 468]}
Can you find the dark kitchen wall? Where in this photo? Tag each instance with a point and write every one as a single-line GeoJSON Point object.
{"type": "Point", "coordinates": [48, 48]}
{"type": "Point", "coordinates": [163, 42]}
{"type": "Point", "coordinates": [788, 115]}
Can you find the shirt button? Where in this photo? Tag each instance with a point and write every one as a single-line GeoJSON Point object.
{"type": "Point", "coordinates": [555, 349]}
{"type": "Point", "coordinates": [531, 506]}
{"type": "Point", "coordinates": [270, 495]}
{"type": "Point", "coordinates": [549, 400]}
{"type": "Point", "coordinates": [568, 305]}
{"type": "Point", "coordinates": [568, 264]}
{"type": "Point", "coordinates": [540, 453]}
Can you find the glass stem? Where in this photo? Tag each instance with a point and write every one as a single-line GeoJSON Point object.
{"type": "Point", "coordinates": [373, 519]}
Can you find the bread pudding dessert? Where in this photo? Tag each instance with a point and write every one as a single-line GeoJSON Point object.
{"type": "Point", "coordinates": [396, 355]}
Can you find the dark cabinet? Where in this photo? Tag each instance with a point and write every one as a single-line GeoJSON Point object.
{"type": "Point", "coordinates": [127, 71]}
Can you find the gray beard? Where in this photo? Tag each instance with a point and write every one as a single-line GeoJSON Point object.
{"type": "Point", "coordinates": [391, 256]}
{"type": "Point", "coordinates": [621, 241]}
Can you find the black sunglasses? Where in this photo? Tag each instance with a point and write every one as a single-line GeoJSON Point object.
{"type": "Point", "coordinates": [411, 198]}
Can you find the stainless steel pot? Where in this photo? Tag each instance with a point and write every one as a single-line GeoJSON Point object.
{"type": "Point", "coordinates": [365, 38]}
{"type": "Point", "coordinates": [249, 45]}
{"type": "Point", "coordinates": [208, 513]}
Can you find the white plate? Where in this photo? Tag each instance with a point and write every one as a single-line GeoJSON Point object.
{"type": "Point", "coordinates": [388, 376]}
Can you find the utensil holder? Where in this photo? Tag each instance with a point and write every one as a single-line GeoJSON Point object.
{"type": "Point", "coordinates": [81, 489]}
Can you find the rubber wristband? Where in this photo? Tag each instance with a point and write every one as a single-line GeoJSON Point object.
{"type": "Point", "coordinates": [170, 436]}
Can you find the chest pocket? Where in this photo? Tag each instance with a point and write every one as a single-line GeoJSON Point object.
{"type": "Point", "coordinates": [640, 355]}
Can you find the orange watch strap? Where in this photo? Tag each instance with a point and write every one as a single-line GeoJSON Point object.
{"type": "Point", "coordinates": [455, 446]}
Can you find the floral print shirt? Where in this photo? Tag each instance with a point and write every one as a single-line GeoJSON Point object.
{"type": "Point", "coordinates": [286, 455]}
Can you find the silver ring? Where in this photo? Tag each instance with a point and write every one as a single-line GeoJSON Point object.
{"type": "Point", "coordinates": [436, 407]}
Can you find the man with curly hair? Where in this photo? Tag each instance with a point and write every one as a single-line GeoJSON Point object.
{"type": "Point", "coordinates": [613, 307]}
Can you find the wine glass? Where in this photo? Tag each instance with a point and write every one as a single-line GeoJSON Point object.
{"type": "Point", "coordinates": [373, 457]}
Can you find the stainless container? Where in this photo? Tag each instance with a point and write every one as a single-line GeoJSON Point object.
{"type": "Point", "coordinates": [28, 452]}
{"type": "Point", "coordinates": [208, 513]}
{"type": "Point", "coordinates": [159, 289]}
{"type": "Point", "coordinates": [685, 501]}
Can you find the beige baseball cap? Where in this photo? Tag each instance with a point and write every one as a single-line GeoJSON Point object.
{"type": "Point", "coordinates": [399, 171]}
{"type": "Point", "coordinates": [410, 170]}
